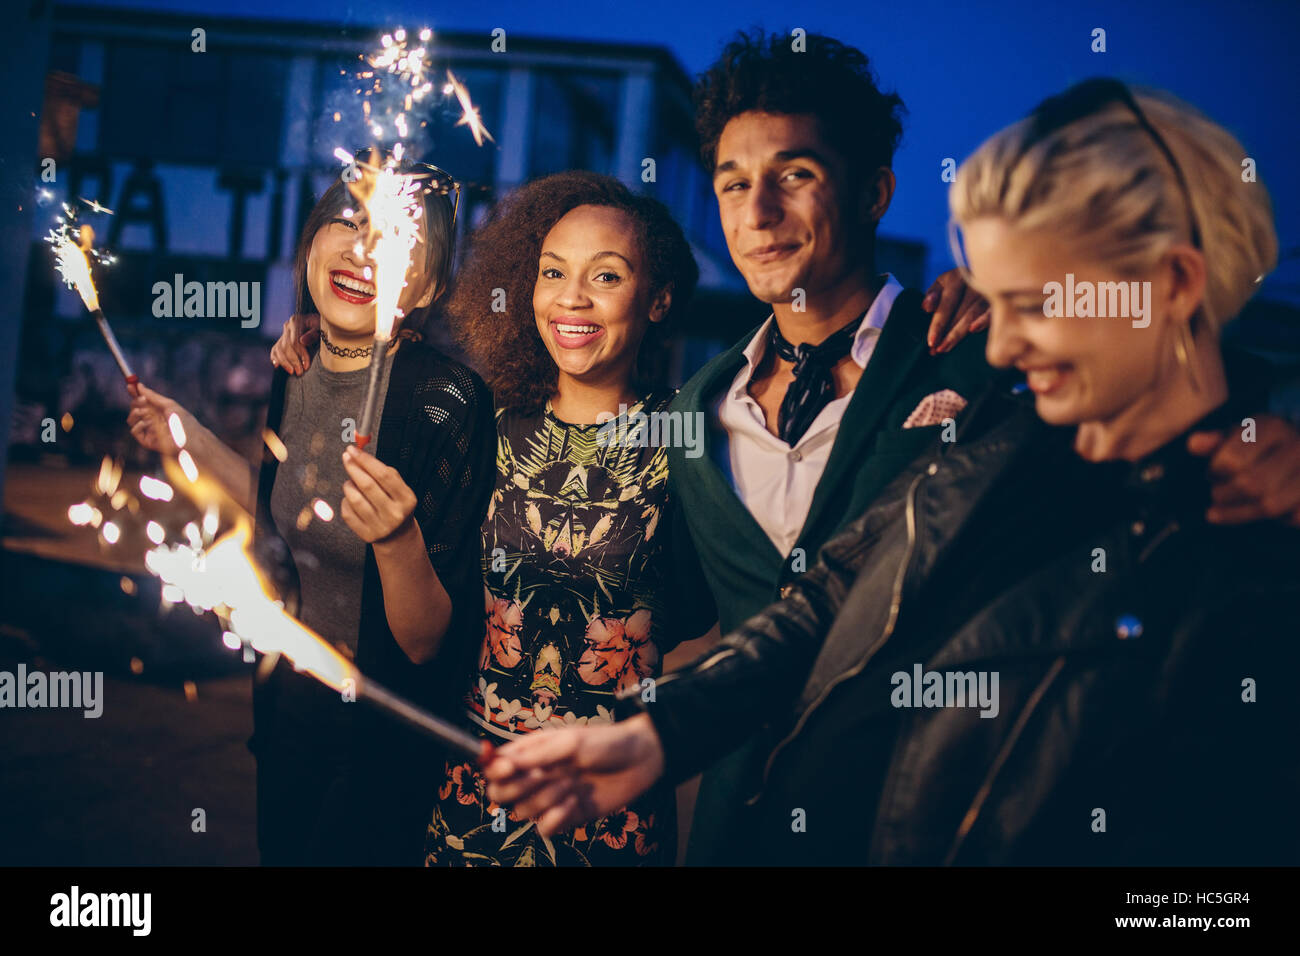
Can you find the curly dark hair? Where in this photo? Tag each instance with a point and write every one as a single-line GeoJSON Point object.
{"type": "Point", "coordinates": [828, 79]}
{"type": "Point", "coordinates": [505, 346]}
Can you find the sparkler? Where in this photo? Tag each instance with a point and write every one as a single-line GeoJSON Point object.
{"type": "Point", "coordinates": [221, 576]}
{"type": "Point", "coordinates": [469, 112]}
{"type": "Point", "coordinates": [393, 207]}
{"type": "Point", "coordinates": [72, 259]}
{"type": "Point", "coordinates": [398, 78]}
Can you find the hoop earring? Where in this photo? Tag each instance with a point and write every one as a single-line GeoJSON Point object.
{"type": "Point", "coordinates": [1185, 352]}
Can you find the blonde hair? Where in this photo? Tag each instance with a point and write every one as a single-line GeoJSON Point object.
{"type": "Point", "coordinates": [1103, 183]}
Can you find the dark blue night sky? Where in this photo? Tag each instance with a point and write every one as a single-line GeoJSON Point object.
{"type": "Point", "coordinates": [963, 69]}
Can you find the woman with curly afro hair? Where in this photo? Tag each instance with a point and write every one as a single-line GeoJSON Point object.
{"type": "Point", "coordinates": [563, 304]}
{"type": "Point", "coordinates": [491, 313]}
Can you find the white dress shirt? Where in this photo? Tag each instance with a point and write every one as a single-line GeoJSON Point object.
{"type": "Point", "coordinates": [774, 481]}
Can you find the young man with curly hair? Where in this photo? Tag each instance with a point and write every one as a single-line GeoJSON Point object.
{"type": "Point", "coordinates": [816, 410]}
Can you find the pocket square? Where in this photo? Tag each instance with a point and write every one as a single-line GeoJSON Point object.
{"type": "Point", "coordinates": [934, 408]}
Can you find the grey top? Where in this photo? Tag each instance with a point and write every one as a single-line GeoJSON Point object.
{"type": "Point", "coordinates": [329, 557]}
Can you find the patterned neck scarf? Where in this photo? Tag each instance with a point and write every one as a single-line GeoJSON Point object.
{"type": "Point", "coordinates": [813, 387]}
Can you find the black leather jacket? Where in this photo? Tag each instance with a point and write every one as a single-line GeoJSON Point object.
{"type": "Point", "coordinates": [1125, 635]}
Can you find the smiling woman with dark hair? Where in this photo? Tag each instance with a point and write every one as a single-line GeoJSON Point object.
{"type": "Point", "coordinates": [394, 582]}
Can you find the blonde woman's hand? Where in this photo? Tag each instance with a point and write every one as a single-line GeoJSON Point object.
{"type": "Point", "coordinates": [563, 778]}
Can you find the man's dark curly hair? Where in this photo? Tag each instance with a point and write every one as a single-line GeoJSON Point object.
{"type": "Point", "coordinates": [505, 346]}
{"type": "Point", "coordinates": [828, 79]}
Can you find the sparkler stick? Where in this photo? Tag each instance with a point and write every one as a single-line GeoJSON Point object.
{"type": "Point", "coordinates": [440, 730]}
{"type": "Point", "coordinates": [377, 359]}
{"type": "Point", "coordinates": [111, 340]}
{"type": "Point", "coordinates": [74, 268]}
{"type": "Point", "coordinates": [393, 209]}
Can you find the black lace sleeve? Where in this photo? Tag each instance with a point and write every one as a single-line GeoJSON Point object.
{"type": "Point", "coordinates": [438, 431]}
{"type": "Point", "coordinates": [454, 458]}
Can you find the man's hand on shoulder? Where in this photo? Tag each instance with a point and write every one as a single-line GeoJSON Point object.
{"type": "Point", "coordinates": [1255, 470]}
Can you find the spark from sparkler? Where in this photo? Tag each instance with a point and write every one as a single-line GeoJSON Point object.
{"type": "Point", "coordinates": [81, 514]}
{"type": "Point", "coordinates": [177, 428]}
{"type": "Point", "coordinates": [469, 112]}
{"type": "Point", "coordinates": [96, 207]}
{"type": "Point", "coordinates": [153, 488]}
{"type": "Point", "coordinates": [276, 446]}
{"type": "Point", "coordinates": [110, 476]}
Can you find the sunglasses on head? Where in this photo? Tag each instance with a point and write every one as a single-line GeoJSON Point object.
{"type": "Point", "coordinates": [432, 179]}
{"type": "Point", "coordinates": [1091, 97]}
{"type": "Point", "coordinates": [1078, 102]}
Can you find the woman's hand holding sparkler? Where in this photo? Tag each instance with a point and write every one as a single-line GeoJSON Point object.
{"type": "Point", "coordinates": [564, 778]}
{"type": "Point", "coordinates": [164, 425]}
{"type": "Point", "coordinates": [377, 503]}
{"type": "Point", "coordinates": [379, 507]}
{"type": "Point", "coordinates": [149, 421]}
{"type": "Point", "coordinates": [290, 350]}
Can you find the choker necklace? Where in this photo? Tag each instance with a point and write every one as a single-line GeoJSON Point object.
{"type": "Point", "coordinates": [363, 352]}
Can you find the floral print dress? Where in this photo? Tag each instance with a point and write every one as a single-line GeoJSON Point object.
{"type": "Point", "coordinates": [575, 558]}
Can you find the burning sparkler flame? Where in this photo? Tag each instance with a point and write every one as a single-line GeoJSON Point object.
{"type": "Point", "coordinates": [74, 269]}
{"type": "Point", "coordinates": [74, 247]}
{"type": "Point", "coordinates": [223, 578]}
{"type": "Point", "coordinates": [392, 202]}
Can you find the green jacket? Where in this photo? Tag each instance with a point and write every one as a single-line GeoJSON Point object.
{"type": "Point", "coordinates": [742, 567]}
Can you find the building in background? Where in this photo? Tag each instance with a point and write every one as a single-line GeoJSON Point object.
{"type": "Point", "coordinates": [211, 160]}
